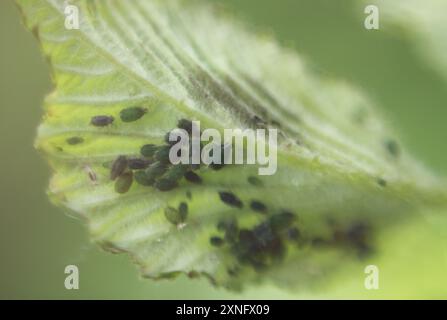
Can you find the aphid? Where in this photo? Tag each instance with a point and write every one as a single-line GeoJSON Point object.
{"type": "Point", "coordinates": [138, 163]}
{"type": "Point", "coordinates": [230, 228]}
{"type": "Point", "coordinates": [102, 121]}
{"type": "Point", "coordinates": [230, 199]}
{"type": "Point", "coordinates": [162, 154]}
{"type": "Point", "coordinates": [193, 177]}
{"type": "Point", "coordinates": [118, 167]}
{"type": "Point", "coordinates": [185, 125]}
{"type": "Point", "coordinates": [258, 206]}
{"type": "Point", "coordinates": [165, 184]}
{"type": "Point", "coordinates": [142, 178]}
{"type": "Point", "coordinates": [392, 147]}
{"type": "Point", "coordinates": [155, 170]}
{"type": "Point", "coordinates": [167, 135]}
{"type": "Point", "coordinates": [148, 150]}
{"type": "Point", "coordinates": [74, 140]}
{"type": "Point", "coordinates": [183, 210]}
{"type": "Point", "coordinates": [217, 241]}
{"type": "Point", "coordinates": [124, 182]}
{"type": "Point", "coordinates": [282, 220]}
{"type": "Point", "coordinates": [255, 181]}
{"type": "Point", "coordinates": [132, 114]}
{"type": "Point", "coordinates": [174, 216]}
{"type": "Point", "coordinates": [175, 172]}
{"type": "Point", "coordinates": [91, 174]}
{"type": "Point", "coordinates": [189, 195]}
{"type": "Point", "coordinates": [381, 182]}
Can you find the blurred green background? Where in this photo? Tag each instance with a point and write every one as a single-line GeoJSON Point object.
{"type": "Point", "coordinates": [37, 240]}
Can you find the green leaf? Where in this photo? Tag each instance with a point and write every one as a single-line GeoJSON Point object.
{"type": "Point", "coordinates": [424, 23]}
{"type": "Point", "coordinates": [137, 69]}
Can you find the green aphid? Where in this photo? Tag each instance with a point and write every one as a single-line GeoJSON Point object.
{"type": "Point", "coordinates": [148, 150]}
{"type": "Point", "coordinates": [132, 114]}
{"type": "Point", "coordinates": [176, 172]}
{"type": "Point", "coordinates": [255, 181]}
{"type": "Point", "coordinates": [74, 140]}
{"type": "Point", "coordinates": [392, 147]}
{"type": "Point", "coordinates": [162, 154]}
{"type": "Point", "coordinates": [142, 178]}
{"type": "Point", "coordinates": [124, 182]}
{"type": "Point", "coordinates": [174, 216]}
{"type": "Point", "coordinates": [217, 241]}
{"type": "Point", "coordinates": [281, 221]}
{"type": "Point", "coordinates": [155, 170]}
{"type": "Point", "coordinates": [118, 167]}
{"type": "Point", "coordinates": [165, 184]}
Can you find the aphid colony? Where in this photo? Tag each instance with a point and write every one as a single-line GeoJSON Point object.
{"type": "Point", "coordinates": [153, 167]}
{"type": "Point", "coordinates": [260, 246]}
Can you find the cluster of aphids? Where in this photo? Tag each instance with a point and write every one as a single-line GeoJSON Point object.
{"type": "Point", "coordinates": [262, 245]}
{"type": "Point", "coordinates": [153, 167]}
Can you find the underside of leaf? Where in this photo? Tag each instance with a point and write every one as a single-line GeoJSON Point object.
{"type": "Point", "coordinates": [137, 69]}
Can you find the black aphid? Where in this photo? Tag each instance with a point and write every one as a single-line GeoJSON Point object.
{"type": "Point", "coordinates": [230, 199]}
{"type": "Point", "coordinates": [381, 182]}
{"type": "Point", "coordinates": [162, 154]}
{"type": "Point", "coordinates": [173, 216]}
{"type": "Point", "coordinates": [74, 140]}
{"type": "Point", "coordinates": [102, 121]}
{"type": "Point", "coordinates": [282, 220]}
{"type": "Point", "coordinates": [132, 114]}
{"type": "Point", "coordinates": [183, 210]}
{"type": "Point", "coordinates": [167, 135]}
{"type": "Point", "coordinates": [255, 181]}
{"type": "Point", "coordinates": [176, 172]}
{"type": "Point", "coordinates": [165, 184]}
{"type": "Point", "coordinates": [258, 206]}
{"type": "Point", "coordinates": [193, 177]}
{"type": "Point", "coordinates": [217, 241]}
{"type": "Point", "coordinates": [138, 163]}
{"type": "Point", "coordinates": [185, 125]}
{"type": "Point", "coordinates": [392, 147]}
{"type": "Point", "coordinates": [118, 167]}
{"type": "Point", "coordinates": [142, 178]}
{"type": "Point", "coordinates": [124, 182]}
{"type": "Point", "coordinates": [155, 170]}
{"type": "Point", "coordinates": [148, 150]}
{"type": "Point", "coordinates": [230, 227]}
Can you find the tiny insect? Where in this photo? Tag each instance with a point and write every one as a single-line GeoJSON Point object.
{"type": "Point", "coordinates": [124, 182]}
{"type": "Point", "coordinates": [142, 178]}
{"type": "Point", "coordinates": [162, 154]}
{"type": "Point", "coordinates": [102, 120]}
{"type": "Point", "coordinates": [148, 150]}
{"type": "Point", "coordinates": [255, 181]}
{"type": "Point", "coordinates": [193, 177]}
{"type": "Point", "coordinates": [155, 170]}
{"type": "Point", "coordinates": [74, 140]}
{"type": "Point", "coordinates": [165, 184]}
{"type": "Point", "coordinates": [132, 114]}
{"type": "Point", "coordinates": [230, 199]}
{"type": "Point", "coordinates": [258, 206]}
{"type": "Point", "coordinates": [118, 167]}
{"type": "Point", "coordinates": [138, 163]}
{"type": "Point", "coordinates": [217, 241]}
{"type": "Point", "coordinates": [91, 174]}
